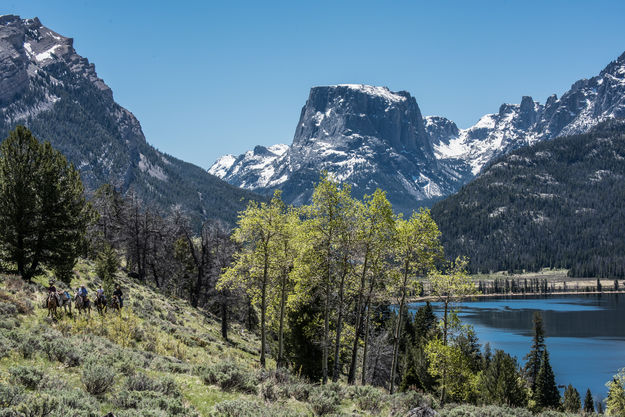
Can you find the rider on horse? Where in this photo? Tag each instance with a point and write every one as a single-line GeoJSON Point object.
{"type": "Point", "coordinates": [100, 293]}
{"type": "Point", "coordinates": [118, 293]}
{"type": "Point", "coordinates": [82, 292]}
{"type": "Point", "coordinates": [52, 292]}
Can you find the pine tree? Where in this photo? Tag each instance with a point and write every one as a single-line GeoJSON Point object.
{"type": "Point", "coordinates": [589, 406]}
{"type": "Point", "coordinates": [546, 393]}
{"type": "Point", "coordinates": [572, 401]}
{"type": "Point", "coordinates": [533, 364]}
{"type": "Point", "coordinates": [502, 383]}
{"type": "Point", "coordinates": [43, 211]}
{"type": "Point", "coordinates": [106, 266]}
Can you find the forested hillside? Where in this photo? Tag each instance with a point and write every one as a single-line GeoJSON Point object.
{"type": "Point", "coordinates": [559, 203]}
{"type": "Point", "coordinates": [48, 87]}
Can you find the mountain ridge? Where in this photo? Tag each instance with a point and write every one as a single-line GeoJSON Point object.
{"type": "Point", "coordinates": [47, 86]}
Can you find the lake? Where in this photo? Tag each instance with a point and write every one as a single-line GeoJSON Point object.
{"type": "Point", "coordinates": [585, 334]}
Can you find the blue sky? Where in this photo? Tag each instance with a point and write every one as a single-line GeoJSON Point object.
{"type": "Point", "coordinates": [209, 78]}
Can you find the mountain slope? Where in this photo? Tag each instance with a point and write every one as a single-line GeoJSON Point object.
{"type": "Point", "coordinates": [558, 203]}
{"type": "Point", "coordinates": [47, 86]}
{"type": "Point", "coordinates": [353, 131]}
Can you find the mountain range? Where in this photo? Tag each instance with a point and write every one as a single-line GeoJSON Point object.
{"type": "Point", "coordinates": [48, 87]}
{"type": "Point", "coordinates": [372, 138]}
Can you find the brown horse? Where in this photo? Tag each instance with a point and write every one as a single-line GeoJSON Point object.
{"type": "Point", "coordinates": [52, 304]}
{"type": "Point", "coordinates": [115, 304]}
{"type": "Point", "coordinates": [83, 304]}
{"type": "Point", "coordinates": [100, 304]}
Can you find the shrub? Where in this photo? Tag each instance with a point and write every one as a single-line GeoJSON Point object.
{"type": "Point", "coordinates": [38, 405]}
{"type": "Point", "coordinates": [230, 377]}
{"type": "Point", "coordinates": [246, 408]}
{"type": "Point", "coordinates": [324, 400]}
{"type": "Point", "coordinates": [10, 395]}
{"type": "Point", "coordinates": [368, 398]}
{"type": "Point", "coordinates": [7, 309]}
{"type": "Point", "coordinates": [142, 382]}
{"type": "Point", "coordinates": [453, 410]}
{"type": "Point", "coordinates": [28, 376]}
{"type": "Point", "coordinates": [405, 401]}
{"type": "Point", "coordinates": [96, 378]}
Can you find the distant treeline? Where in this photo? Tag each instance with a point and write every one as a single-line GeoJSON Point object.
{"type": "Point", "coordinates": [540, 286]}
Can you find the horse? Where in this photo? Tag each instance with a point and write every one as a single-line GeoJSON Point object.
{"type": "Point", "coordinates": [115, 304]}
{"type": "Point", "coordinates": [82, 304]}
{"type": "Point", "coordinates": [100, 304]}
{"type": "Point", "coordinates": [52, 303]}
{"type": "Point", "coordinates": [66, 301]}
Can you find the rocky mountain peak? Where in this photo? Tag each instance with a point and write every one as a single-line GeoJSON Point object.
{"type": "Point", "coordinates": [353, 111]}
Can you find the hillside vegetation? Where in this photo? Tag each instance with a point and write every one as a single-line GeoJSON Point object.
{"type": "Point", "coordinates": [161, 357]}
{"type": "Point", "coordinates": [557, 204]}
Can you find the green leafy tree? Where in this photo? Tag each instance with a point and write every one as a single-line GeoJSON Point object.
{"type": "Point", "coordinates": [534, 357]}
{"type": "Point", "coordinates": [448, 289]}
{"type": "Point", "coordinates": [416, 249]}
{"type": "Point", "coordinates": [502, 383]}
{"type": "Point", "coordinates": [375, 231]}
{"type": "Point", "coordinates": [324, 267]}
{"type": "Point", "coordinates": [589, 406]}
{"type": "Point", "coordinates": [107, 264]}
{"type": "Point", "coordinates": [572, 401]}
{"type": "Point", "coordinates": [257, 234]}
{"type": "Point", "coordinates": [43, 211]}
{"type": "Point", "coordinates": [546, 394]}
{"type": "Point", "coordinates": [615, 403]}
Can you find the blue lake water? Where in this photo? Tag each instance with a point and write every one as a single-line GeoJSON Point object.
{"type": "Point", "coordinates": [585, 334]}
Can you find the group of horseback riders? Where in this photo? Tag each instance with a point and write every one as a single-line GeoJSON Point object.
{"type": "Point", "coordinates": [63, 299]}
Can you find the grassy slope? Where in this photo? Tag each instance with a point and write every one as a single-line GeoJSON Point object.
{"type": "Point", "coordinates": [159, 349]}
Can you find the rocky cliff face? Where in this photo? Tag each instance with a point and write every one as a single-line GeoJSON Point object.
{"type": "Point", "coordinates": [367, 136]}
{"type": "Point", "coordinates": [46, 85]}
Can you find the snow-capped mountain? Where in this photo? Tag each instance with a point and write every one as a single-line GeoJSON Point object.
{"type": "Point", "coordinates": [371, 137]}
{"type": "Point", "coordinates": [367, 136]}
{"type": "Point", "coordinates": [587, 103]}
{"type": "Point", "coordinates": [47, 86]}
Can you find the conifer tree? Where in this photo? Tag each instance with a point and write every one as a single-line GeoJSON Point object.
{"type": "Point", "coordinates": [572, 401]}
{"type": "Point", "coordinates": [589, 406]}
{"type": "Point", "coordinates": [532, 366]}
{"type": "Point", "coordinates": [546, 393]}
{"type": "Point", "coordinates": [43, 211]}
{"type": "Point", "coordinates": [502, 383]}
{"type": "Point", "coordinates": [106, 266]}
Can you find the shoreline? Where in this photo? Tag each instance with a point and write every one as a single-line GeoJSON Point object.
{"type": "Point", "coordinates": [530, 294]}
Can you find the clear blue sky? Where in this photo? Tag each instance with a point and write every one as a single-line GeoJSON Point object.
{"type": "Point", "coordinates": [209, 78]}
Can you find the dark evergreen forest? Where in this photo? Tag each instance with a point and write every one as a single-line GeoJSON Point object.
{"type": "Point", "coordinates": [559, 204]}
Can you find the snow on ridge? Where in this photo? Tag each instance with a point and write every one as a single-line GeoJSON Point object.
{"type": "Point", "coordinates": [383, 92]}
{"type": "Point", "coordinates": [222, 165]}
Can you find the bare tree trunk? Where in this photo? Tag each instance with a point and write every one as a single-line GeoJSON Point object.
{"type": "Point", "coordinates": [280, 361]}
{"type": "Point", "coordinates": [351, 377]}
{"type": "Point", "coordinates": [339, 325]}
{"type": "Point", "coordinates": [398, 329]}
{"type": "Point", "coordinates": [263, 309]}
